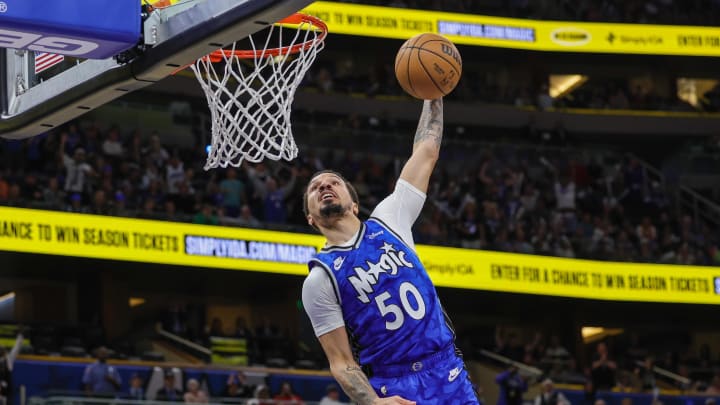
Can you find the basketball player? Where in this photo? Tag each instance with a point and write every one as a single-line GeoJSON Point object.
{"type": "Point", "coordinates": [367, 288]}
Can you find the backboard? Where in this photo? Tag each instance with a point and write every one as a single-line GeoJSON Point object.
{"type": "Point", "coordinates": [33, 100]}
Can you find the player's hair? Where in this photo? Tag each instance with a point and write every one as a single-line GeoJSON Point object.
{"type": "Point", "coordinates": [351, 189]}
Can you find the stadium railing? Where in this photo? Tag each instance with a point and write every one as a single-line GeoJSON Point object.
{"type": "Point", "coordinates": [186, 345]}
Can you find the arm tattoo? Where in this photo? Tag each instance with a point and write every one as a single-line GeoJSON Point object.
{"type": "Point", "coordinates": [431, 122]}
{"type": "Point", "coordinates": [356, 385]}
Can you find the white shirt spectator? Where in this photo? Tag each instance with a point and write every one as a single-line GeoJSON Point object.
{"type": "Point", "coordinates": [175, 175]}
{"type": "Point", "coordinates": [75, 178]}
{"type": "Point", "coordinates": [565, 195]}
{"type": "Point", "coordinates": [529, 199]}
{"type": "Point", "coordinates": [112, 147]}
{"type": "Point", "coordinates": [646, 232]}
{"type": "Point", "coordinates": [554, 398]}
{"type": "Point", "coordinates": [151, 175]}
{"type": "Point", "coordinates": [557, 351]}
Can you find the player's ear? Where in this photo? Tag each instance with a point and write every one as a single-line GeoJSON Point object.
{"type": "Point", "coordinates": [355, 208]}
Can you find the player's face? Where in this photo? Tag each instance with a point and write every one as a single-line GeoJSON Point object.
{"type": "Point", "coordinates": [328, 197]}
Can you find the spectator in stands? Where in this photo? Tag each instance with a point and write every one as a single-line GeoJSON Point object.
{"type": "Point", "coordinates": [185, 198]}
{"type": "Point", "coordinates": [520, 243]}
{"type": "Point", "coordinates": [603, 369]}
{"type": "Point", "coordinates": [216, 327]}
{"type": "Point", "coordinates": [30, 188]}
{"type": "Point", "coordinates": [155, 152]}
{"type": "Point", "coordinates": [52, 196]}
{"type": "Point", "coordinates": [4, 188]}
{"type": "Point", "coordinates": [646, 231]}
{"type": "Point", "coordinates": [100, 378]}
{"type": "Point", "coordinates": [233, 192]}
{"type": "Point", "coordinates": [565, 198]}
{"type": "Point", "coordinates": [246, 218]}
{"type": "Point", "coordinates": [508, 344]}
{"type": "Point", "coordinates": [112, 146]}
{"type": "Point", "coordinates": [469, 227]}
{"type": "Point", "coordinates": [549, 396]}
{"type": "Point", "coordinates": [544, 100]}
{"type": "Point", "coordinates": [266, 329]}
{"type": "Point", "coordinates": [194, 395]}
{"type": "Point", "coordinates": [242, 330]}
{"type": "Point", "coordinates": [76, 204]}
{"type": "Point", "coordinates": [168, 392]}
{"type": "Point", "coordinates": [170, 211]}
{"type": "Point", "coordinates": [714, 387]}
{"type": "Point", "coordinates": [148, 210]}
{"type": "Point", "coordinates": [512, 386]}
{"type": "Point", "coordinates": [133, 146]}
{"type": "Point", "coordinates": [15, 198]}
{"type": "Point", "coordinates": [262, 396]}
{"type": "Point", "coordinates": [100, 204]}
{"type": "Point", "coordinates": [286, 396]}
{"type": "Point", "coordinates": [174, 175]}
{"type": "Point", "coordinates": [73, 136]}
{"type": "Point", "coordinates": [137, 390]}
{"type": "Point", "coordinates": [275, 209]}
{"type": "Point", "coordinates": [119, 208]}
{"type": "Point", "coordinates": [150, 176]}
{"type": "Point", "coordinates": [7, 361]}
{"type": "Point", "coordinates": [714, 253]}
{"type": "Point", "coordinates": [76, 169]}
{"type": "Point", "coordinates": [555, 350]}
{"type": "Point", "coordinates": [206, 216]}
{"type": "Point", "coordinates": [237, 386]}
{"type": "Point", "coordinates": [332, 396]}
{"type": "Point", "coordinates": [563, 247]}
{"type": "Point", "coordinates": [646, 375]}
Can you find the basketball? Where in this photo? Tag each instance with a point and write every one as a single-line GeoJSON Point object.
{"type": "Point", "coordinates": [428, 66]}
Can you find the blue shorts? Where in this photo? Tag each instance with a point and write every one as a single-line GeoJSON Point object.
{"type": "Point", "coordinates": [442, 380]}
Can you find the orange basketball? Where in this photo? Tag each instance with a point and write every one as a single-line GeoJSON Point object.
{"type": "Point", "coordinates": [428, 66]}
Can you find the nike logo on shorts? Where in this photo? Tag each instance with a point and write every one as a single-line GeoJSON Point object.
{"type": "Point", "coordinates": [454, 373]}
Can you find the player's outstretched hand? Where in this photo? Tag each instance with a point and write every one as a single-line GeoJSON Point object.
{"type": "Point", "coordinates": [396, 400]}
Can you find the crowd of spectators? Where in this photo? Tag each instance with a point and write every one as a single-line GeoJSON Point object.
{"type": "Point", "coordinates": [496, 85]}
{"type": "Point", "coordinates": [101, 379]}
{"type": "Point", "coordinates": [674, 12]}
{"type": "Point", "coordinates": [623, 363]}
{"type": "Point", "coordinates": [517, 201]}
{"type": "Point", "coordinates": [505, 197]}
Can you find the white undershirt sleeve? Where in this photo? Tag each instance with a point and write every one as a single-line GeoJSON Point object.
{"type": "Point", "coordinates": [400, 209]}
{"type": "Point", "coordinates": [321, 302]}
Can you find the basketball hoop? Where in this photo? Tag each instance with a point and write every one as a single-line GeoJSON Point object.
{"type": "Point", "coordinates": [250, 95]}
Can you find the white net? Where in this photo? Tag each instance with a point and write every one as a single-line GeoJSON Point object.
{"type": "Point", "coordinates": [250, 97]}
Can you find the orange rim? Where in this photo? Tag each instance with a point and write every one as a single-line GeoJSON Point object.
{"type": "Point", "coordinates": [297, 18]}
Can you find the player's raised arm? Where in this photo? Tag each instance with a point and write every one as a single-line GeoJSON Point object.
{"type": "Point", "coordinates": [426, 146]}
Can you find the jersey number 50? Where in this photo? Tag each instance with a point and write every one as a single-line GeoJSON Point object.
{"type": "Point", "coordinates": [405, 289]}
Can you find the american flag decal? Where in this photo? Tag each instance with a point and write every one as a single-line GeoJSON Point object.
{"type": "Point", "coordinates": [44, 60]}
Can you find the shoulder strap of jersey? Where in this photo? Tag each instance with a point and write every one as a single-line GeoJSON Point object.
{"type": "Point", "coordinates": [385, 226]}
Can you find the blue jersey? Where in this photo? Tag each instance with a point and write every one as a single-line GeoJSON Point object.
{"type": "Point", "coordinates": [390, 306]}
